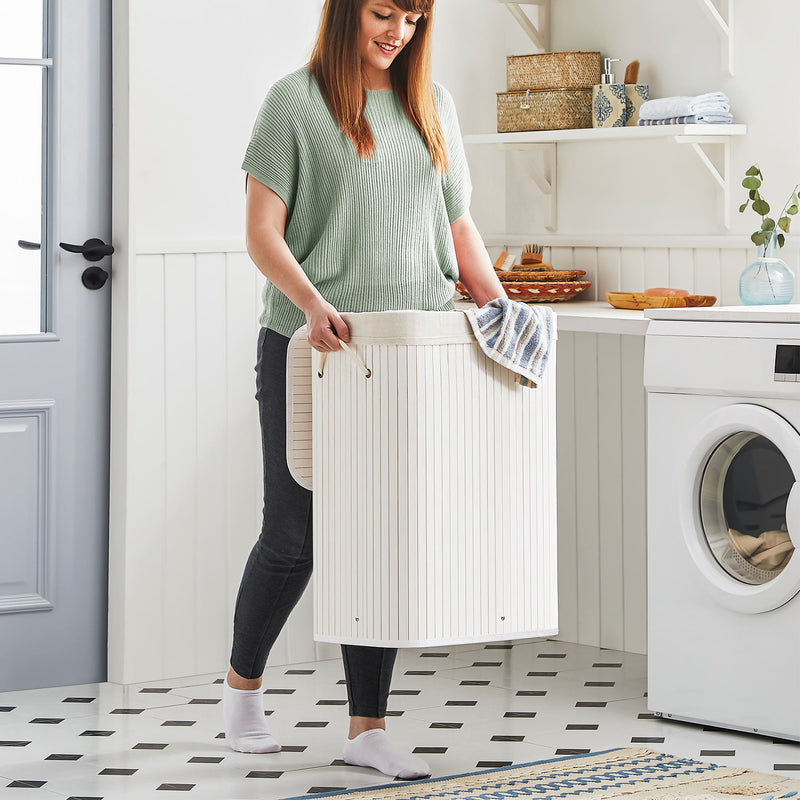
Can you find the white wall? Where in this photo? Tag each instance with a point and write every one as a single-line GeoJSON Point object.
{"type": "Point", "coordinates": [198, 76]}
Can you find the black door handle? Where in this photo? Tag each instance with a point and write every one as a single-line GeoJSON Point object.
{"type": "Point", "coordinates": [91, 249]}
{"type": "Point", "coordinates": [29, 245]}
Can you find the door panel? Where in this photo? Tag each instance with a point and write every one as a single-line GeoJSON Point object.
{"type": "Point", "coordinates": [54, 395]}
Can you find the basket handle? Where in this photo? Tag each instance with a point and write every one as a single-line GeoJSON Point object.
{"type": "Point", "coordinates": [353, 355]}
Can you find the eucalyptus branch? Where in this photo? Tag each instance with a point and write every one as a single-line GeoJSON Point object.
{"type": "Point", "coordinates": [752, 182]}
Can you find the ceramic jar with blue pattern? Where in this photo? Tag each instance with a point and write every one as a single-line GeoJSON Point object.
{"type": "Point", "coordinates": [635, 95]}
{"type": "Point", "coordinates": [608, 105]}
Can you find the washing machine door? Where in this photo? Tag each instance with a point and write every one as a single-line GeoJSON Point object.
{"type": "Point", "coordinates": [740, 507]}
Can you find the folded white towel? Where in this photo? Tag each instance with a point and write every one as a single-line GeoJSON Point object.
{"type": "Point", "coordinates": [515, 335]}
{"type": "Point", "coordinates": [665, 107]}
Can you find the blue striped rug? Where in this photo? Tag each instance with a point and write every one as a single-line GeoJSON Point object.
{"type": "Point", "coordinates": [625, 773]}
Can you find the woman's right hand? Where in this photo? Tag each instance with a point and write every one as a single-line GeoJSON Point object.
{"type": "Point", "coordinates": [325, 327]}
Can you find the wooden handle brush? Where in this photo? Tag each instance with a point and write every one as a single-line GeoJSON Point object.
{"type": "Point", "coordinates": [632, 72]}
{"type": "Point", "coordinates": [532, 254]}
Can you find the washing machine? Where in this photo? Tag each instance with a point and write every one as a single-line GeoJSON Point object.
{"type": "Point", "coordinates": [723, 514]}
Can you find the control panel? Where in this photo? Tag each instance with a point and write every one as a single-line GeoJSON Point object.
{"type": "Point", "coordinates": [787, 363]}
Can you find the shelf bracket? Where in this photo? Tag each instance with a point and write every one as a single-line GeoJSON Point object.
{"type": "Point", "coordinates": [543, 172]}
{"type": "Point", "coordinates": [723, 178]}
{"type": "Point", "coordinates": [724, 27]}
{"type": "Point", "coordinates": [539, 32]}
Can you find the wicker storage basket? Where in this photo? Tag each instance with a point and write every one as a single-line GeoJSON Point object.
{"type": "Point", "coordinates": [564, 70]}
{"type": "Point", "coordinates": [552, 110]}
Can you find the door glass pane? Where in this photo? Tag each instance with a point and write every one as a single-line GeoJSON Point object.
{"type": "Point", "coordinates": [743, 497]}
{"type": "Point", "coordinates": [21, 28]}
{"type": "Point", "coordinates": [21, 207]}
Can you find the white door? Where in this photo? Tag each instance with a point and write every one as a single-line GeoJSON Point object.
{"type": "Point", "coordinates": [55, 189]}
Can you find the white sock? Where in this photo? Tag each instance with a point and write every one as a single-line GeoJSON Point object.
{"type": "Point", "coordinates": [245, 725]}
{"type": "Point", "coordinates": [373, 748]}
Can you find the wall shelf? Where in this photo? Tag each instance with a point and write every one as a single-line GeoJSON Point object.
{"type": "Point", "coordinates": [544, 144]}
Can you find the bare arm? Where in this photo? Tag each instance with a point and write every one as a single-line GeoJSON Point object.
{"type": "Point", "coordinates": [266, 225]}
{"type": "Point", "coordinates": [474, 265]}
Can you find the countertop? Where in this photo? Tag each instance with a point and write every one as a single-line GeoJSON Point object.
{"type": "Point", "coordinates": [591, 316]}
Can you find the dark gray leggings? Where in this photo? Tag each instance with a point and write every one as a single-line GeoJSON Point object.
{"type": "Point", "coordinates": [279, 566]}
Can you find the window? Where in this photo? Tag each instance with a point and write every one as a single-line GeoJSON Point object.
{"type": "Point", "coordinates": [24, 82]}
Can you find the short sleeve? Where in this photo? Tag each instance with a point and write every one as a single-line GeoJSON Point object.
{"type": "Point", "coordinates": [272, 153]}
{"type": "Point", "coordinates": [456, 183]}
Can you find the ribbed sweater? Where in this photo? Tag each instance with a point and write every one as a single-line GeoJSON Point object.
{"type": "Point", "coordinates": [371, 234]}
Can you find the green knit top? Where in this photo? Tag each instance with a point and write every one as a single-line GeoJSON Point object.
{"type": "Point", "coordinates": [371, 234]}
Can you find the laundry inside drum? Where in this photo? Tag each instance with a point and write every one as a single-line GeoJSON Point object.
{"type": "Point", "coordinates": [743, 496]}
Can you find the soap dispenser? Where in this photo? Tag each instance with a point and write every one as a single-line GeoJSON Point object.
{"type": "Point", "coordinates": [608, 99]}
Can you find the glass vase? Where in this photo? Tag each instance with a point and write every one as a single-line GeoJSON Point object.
{"type": "Point", "coordinates": [767, 281]}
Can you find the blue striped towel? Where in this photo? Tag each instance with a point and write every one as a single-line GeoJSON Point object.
{"type": "Point", "coordinates": [515, 335]}
{"type": "Point", "coordinates": [691, 119]}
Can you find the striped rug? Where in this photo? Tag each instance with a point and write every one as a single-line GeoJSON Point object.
{"type": "Point", "coordinates": [627, 773]}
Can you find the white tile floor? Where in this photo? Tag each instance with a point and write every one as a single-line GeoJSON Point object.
{"type": "Point", "coordinates": [460, 708]}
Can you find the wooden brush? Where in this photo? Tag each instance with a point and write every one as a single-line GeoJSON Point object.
{"type": "Point", "coordinates": [501, 259]}
{"type": "Point", "coordinates": [532, 254]}
{"type": "Point", "coordinates": [632, 72]}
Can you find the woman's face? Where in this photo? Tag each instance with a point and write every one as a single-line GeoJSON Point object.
{"type": "Point", "coordinates": [384, 32]}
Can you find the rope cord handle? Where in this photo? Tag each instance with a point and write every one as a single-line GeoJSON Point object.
{"type": "Point", "coordinates": [353, 355]}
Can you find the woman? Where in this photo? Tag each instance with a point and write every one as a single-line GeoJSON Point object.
{"type": "Point", "coordinates": [357, 200]}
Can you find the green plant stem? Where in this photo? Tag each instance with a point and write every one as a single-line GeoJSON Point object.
{"type": "Point", "coordinates": [794, 191]}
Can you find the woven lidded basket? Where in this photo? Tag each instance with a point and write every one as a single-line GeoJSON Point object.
{"type": "Point", "coordinates": [552, 110]}
{"type": "Point", "coordinates": [569, 69]}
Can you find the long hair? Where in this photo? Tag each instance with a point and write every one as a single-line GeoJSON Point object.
{"type": "Point", "coordinates": [336, 65]}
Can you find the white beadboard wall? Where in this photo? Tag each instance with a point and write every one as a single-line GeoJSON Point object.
{"type": "Point", "coordinates": [193, 492]}
{"type": "Point", "coordinates": [600, 434]}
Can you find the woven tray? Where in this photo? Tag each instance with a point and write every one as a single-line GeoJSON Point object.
{"type": "Point", "coordinates": [549, 275]}
{"type": "Point", "coordinates": [568, 69]}
{"type": "Point", "coordinates": [538, 291]}
{"type": "Point", "coordinates": [549, 110]}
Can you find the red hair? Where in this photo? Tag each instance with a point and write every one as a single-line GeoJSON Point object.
{"type": "Point", "coordinates": [336, 65]}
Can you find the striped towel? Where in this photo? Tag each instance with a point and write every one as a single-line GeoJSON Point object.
{"type": "Point", "coordinates": [691, 119]}
{"type": "Point", "coordinates": [515, 335]}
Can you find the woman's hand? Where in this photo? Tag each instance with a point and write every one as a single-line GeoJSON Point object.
{"type": "Point", "coordinates": [325, 326]}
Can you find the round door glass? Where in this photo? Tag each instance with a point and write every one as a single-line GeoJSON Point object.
{"type": "Point", "coordinates": [743, 494]}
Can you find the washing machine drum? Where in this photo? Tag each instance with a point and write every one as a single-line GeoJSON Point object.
{"type": "Point", "coordinates": [745, 488]}
{"type": "Point", "coordinates": [740, 502]}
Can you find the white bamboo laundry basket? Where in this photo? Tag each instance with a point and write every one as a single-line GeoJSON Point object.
{"type": "Point", "coordinates": [434, 483]}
